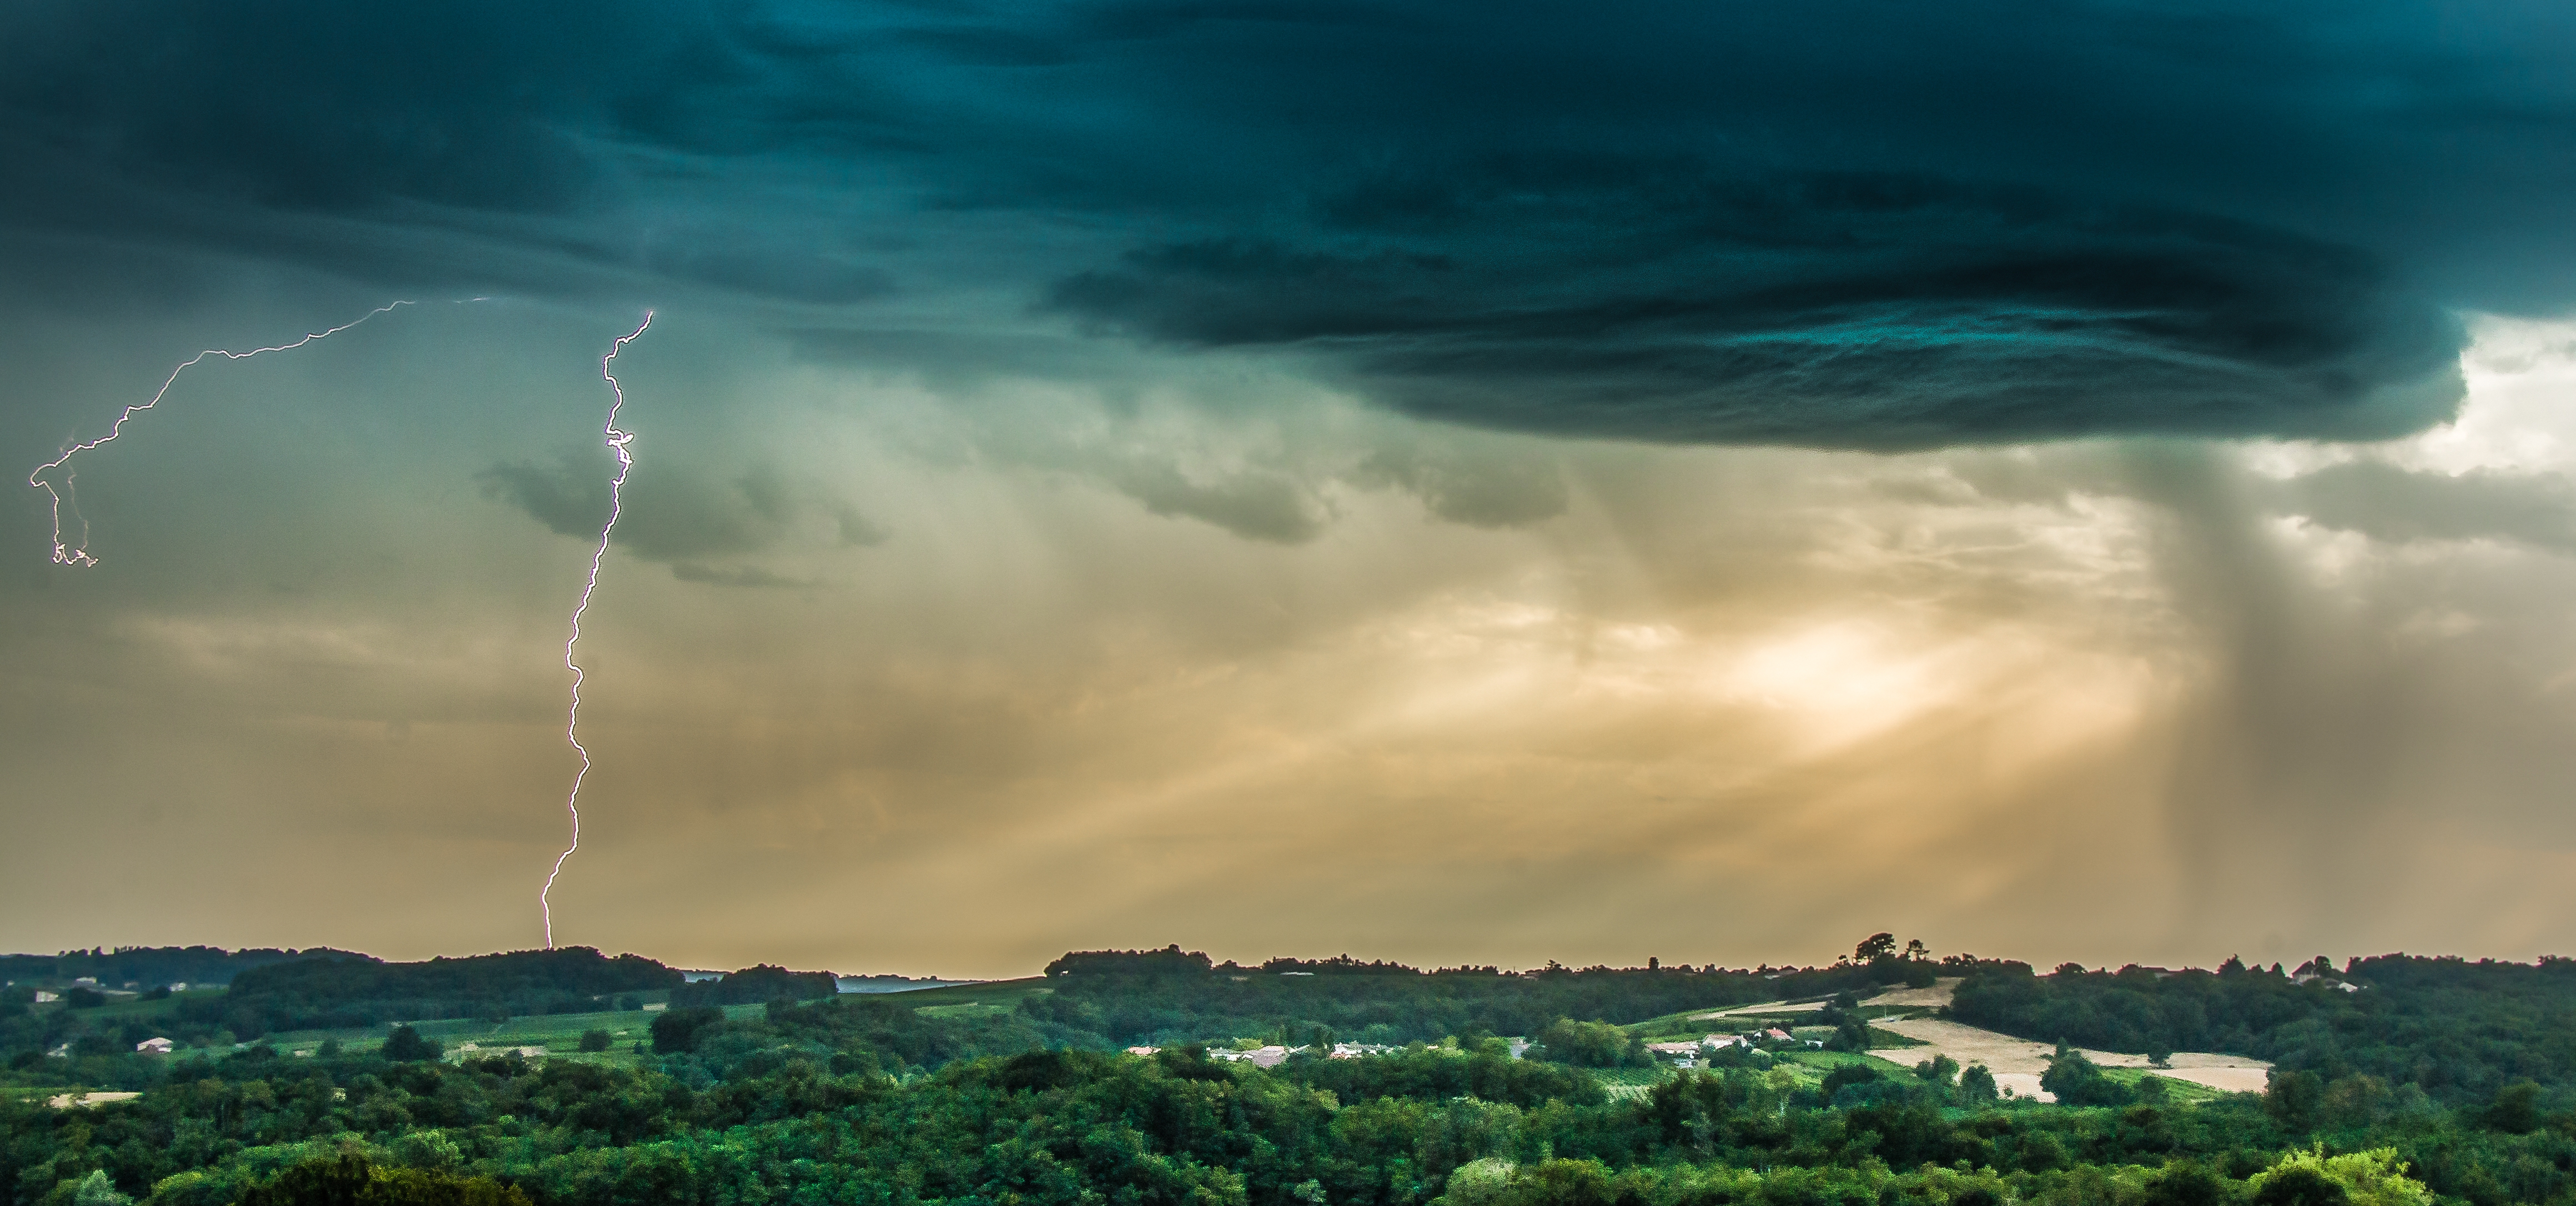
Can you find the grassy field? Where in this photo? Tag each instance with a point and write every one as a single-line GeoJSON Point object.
{"type": "Point", "coordinates": [1810, 1066]}
{"type": "Point", "coordinates": [1692, 1023]}
{"type": "Point", "coordinates": [992, 994]}
{"type": "Point", "coordinates": [2180, 1092]}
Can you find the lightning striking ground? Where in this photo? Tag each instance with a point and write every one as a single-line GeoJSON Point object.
{"type": "Point", "coordinates": [79, 554]}
{"type": "Point", "coordinates": [617, 442]}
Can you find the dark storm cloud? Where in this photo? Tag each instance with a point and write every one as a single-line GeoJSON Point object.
{"type": "Point", "coordinates": [1880, 311]}
{"type": "Point", "coordinates": [1845, 224]}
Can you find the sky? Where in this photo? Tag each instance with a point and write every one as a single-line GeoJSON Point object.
{"type": "Point", "coordinates": [2080, 480]}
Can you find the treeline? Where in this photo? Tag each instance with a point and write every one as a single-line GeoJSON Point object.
{"type": "Point", "coordinates": [2456, 1029]}
{"type": "Point", "coordinates": [799, 1106]}
{"type": "Point", "coordinates": [335, 993]}
{"type": "Point", "coordinates": [153, 966]}
{"type": "Point", "coordinates": [1173, 995]}
{"type": "Point", "coordinates": [756, 986]}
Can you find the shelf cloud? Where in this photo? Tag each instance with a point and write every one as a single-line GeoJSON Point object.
{"type": "Point", "coordinates": [1847, 225]}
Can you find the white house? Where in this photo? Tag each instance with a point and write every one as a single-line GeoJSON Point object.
{"type": "Point", "coordinates": [154, 1046]}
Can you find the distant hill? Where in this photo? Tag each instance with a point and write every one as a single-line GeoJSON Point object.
{"type": "Point", "coordinates": [322, 993]}
{"type": "Point", "coordinates": [148, 967]}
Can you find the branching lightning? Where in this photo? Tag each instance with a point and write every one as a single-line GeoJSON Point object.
{"type": "Point", "coordinates": [617, 442]}
{"type": "Point", "coordinates": [79, 554]}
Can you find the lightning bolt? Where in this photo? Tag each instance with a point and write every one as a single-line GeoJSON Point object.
{"type": "Point", "coordinates": [617, 442]}
{"type": "Point", "coordinates": [79, 554]}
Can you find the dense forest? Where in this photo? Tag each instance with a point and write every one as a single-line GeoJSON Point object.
{"type": "Point", "coordinates": [799, 1106]}
{"type": "Point", "coordinates": [2457, 1029]}
{"type": "Point", "coordinates": [1172, 995]}
{"type": "Point", "coordinates": [325, 993]}
{"type": "Point", "coordinates": [1024, 1095]}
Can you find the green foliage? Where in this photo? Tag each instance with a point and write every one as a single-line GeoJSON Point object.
{"type": "Point", "coordinates": [2516, 1108]}
{"type": "Point", "coordinates": [2370, 1178]}
{"type": "Point", "coordinates": [766, 1110]}
{"type": "Point", "coordinates": [596, 1040]}
{"type": "Point", "coordinates": [1171, 996]}
{"type": "Point", "coordinates": [2293, 1098]}
{"type": "Point", "coordinates": [1589, 1045]}
{"type": "Point", "coordinates": [2078, 1081]}
{"type": "Point", "coordinates": [2456, 1029]}
{"type": "Point", "coordinates": [352, 1180]}
{"type": "Point", "coordinates": [1170, 960]}
{"type": "Point", "coordinates": [1024, 1099]}
{"type": "Point", "coordinates": [337, 992]}
{"type": "Point", "coordinates": [676, 1031]}
{"type": "Point", "coordinates": [756, 986]}
{"type": "Point", "coordinates": [407, 1043]}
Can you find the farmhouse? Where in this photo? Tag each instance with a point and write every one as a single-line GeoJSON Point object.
{"type": "Point", "coordinates": [154, 1046]}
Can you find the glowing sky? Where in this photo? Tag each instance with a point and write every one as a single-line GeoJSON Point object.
{"type": "Point", "coordinates": [2086, 484]}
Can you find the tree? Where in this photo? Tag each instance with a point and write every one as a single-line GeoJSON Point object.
{"type": "Point", "coordinates": [406, 1044]}
{"type": "Point", "coordinates": [2185, 1183]}
{"type": "Point", "coordinates": [1914, 949]}
{"type": "Point", "coordinates": [1939, 1070]}
{"type": "Point", "coordinates": [1852, 1034]}
{"type": "Point", "coordinates": [1588, 1044]}
{"type": "Point", "coordinates": [2515, 1110]}
{"type": "Point", "coordinates": [97, 1190]}
{"type": "Point", "coordinates": [1976, 1085]}
{"type": "Point", "coordinates": [352, 1180]}
{"type": "Point", "coordinates": [2298, 1186]}
{"type": "Point", "coordinates": [1876, 946]}
{"type": "Point", "coordinates": [2293, 1097]}
{"type": "Point", "coordinates": [2078, 1081]}
{"type": "Point", "coordinates": [2371, 1178]}
{"type": "Point", "coordinates": [594, 1040]}
{"type": "Point", "coordinates": [677, 1031]}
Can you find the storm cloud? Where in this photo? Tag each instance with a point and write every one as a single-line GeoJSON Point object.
{"type": "Point", "coordinates": [1843, 224]}
{"type": "Point", "coordinates": [681, 517]}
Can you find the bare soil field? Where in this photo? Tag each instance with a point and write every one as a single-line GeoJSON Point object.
{"type": "Point", "coordinates": [2017, 1063]}
{"type": "Point", "coordinates": [1935, 997]}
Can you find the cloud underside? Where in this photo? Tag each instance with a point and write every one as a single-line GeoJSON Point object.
{"type": "Point", "coordinates": [680, 517]}
{"type": "Point", "coordinates": [2392, 504]}
{"type": "Point", "coordinates": [1883, 313]}
{"type": "Point", "coordinates": [1836, 226]}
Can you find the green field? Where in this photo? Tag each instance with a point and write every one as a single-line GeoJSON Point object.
{"type": "Point", "coordinates": [991, 996]}
{"type": "Point", "coordinates": [1630, 1082]}
{"type": "Point", "coordinates": [1810, 1066]}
